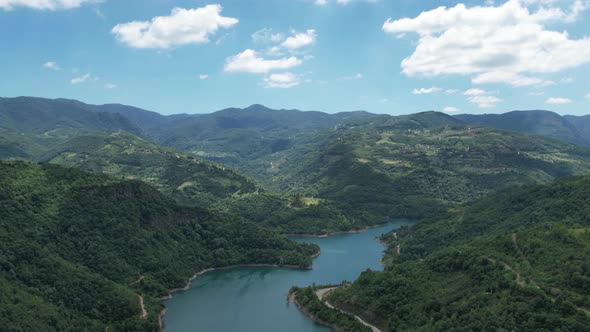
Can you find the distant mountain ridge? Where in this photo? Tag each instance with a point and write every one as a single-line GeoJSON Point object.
{"type": "Point", "coordinates": [26, 114]}
{"type": "Point", "coordinates": [34, 114]}
{"type": "Point", "coordinates": [573, 129]}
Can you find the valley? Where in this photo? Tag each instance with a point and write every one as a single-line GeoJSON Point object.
{"type": "Point", "coordinates": [142, 201]}
{"type": "Point", "coordinates": [295, 165]}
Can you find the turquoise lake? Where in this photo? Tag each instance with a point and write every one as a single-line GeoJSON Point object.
{"type": "Point", "coordinates": [254, 299]}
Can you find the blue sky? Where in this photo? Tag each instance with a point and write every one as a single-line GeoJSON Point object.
{"type": "Point", "coordinates": [383, 56]}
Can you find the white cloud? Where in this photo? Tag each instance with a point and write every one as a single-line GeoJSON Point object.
{"type": "Point", "coordinates": [451, 109]}
{"type": "Point", "coordinates": [587, 96]}
{"type": "Point", "coordinates": [475, 92]}
{"type": "Point", "coordinates": [203, 77]}
{"type": "Point", "coordinates": [181, 27]}
{"type": "Point", "coordinates": [301, 39]}
{"type": "Point", "coordinates": [425, 91]}
{"type": "Point", "coordinates": [482, 98]}
{"type": "Point", "coordinates": [511, 78]}
{"type": "Point", "coordinates": [81, 79]}
{"type": "Point", "coordinates": [321, 2]}
{"type": "Point", "coordinates": [451, 91]}
{"type": "Point", "coordinates": [282, 80]}
{"type": "Point", "coordinates": [110, 86]}
{"type": "Point", "coordinates": [503, 44]}
{"type": "Point", "coordinates": [44, 4]}
{"type": "Point", "coordinates": [558, 101]}
{"type": "Point", "coordinates": [538, 93]}
{"type": "Point", "coordinates": [485, 101]}
{"type": "Point", "coordinates": [267, 36]}
{"type": "Point", "coordinates": [51, 65]}
{"type": "Point", "coordinates": [249, 62]}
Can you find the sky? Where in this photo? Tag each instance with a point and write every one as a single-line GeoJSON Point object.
{"type": "Point", "coordinates": [382, 56]}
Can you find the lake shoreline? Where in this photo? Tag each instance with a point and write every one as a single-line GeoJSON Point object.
{"type": "Point", "coordinates": [200, 273]}
{"type": "Point", "coordinates": [354, 231]}
{"type": "Point", "coordinates": [320, 294]}
{"type": "Point", "coordinates": [291, 299]}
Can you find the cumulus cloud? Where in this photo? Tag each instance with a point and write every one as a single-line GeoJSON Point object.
{"type": "Point", "coordinates": [51, 65]}
{"type": "Point", "coordinates": [485, 101]}
{"type": "Point", "coordinates": [511, 78]}
{"type": "Point", "coordinates": [451, 109]}
{"type": "Point", "coordinates": [110, 86]}
{"type": "Point", "coordinates": [44, 4]}
{"type": "Point", "coordinates": [558, 101]}
{"type": "Point", "coordinates": [300, 39]}
{"type": "Point", "coordinates": [282, 80]}
{"type": "Point", "coordinates": [425, 91]}
{"type": "Point", "coordinates": [475, 92]}
{"type": "Point", "coordinates": [482, 98]}
{"type": "Point", "coordinates": [250, 62]}
{"type": "Point", "coordinates": [181, 27]}
{"type": "Point", "coordinates": [451, 91]}
{"type": "Point", "coordinates": [81, 79]}
{"type": "Point", "coordinates": [203, 77]}
{"type": "Point", "coordinates": [266, 35]}
{"type": "Point", "coordinates": [508, 43]}
{"type": "Point", "coordinates": [321, 2]}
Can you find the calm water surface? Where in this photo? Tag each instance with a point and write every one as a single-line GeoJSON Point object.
{"type": "Point", "coordinates": [254, 299]}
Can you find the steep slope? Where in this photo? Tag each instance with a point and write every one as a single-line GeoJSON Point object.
{"type": "Point", "coordinates": [581, 123]}
{"type": "Point", "coordinates": [27, 114]}
{"type": "Point", "coordinates": [517, 260]}
{"type": "Point", "coordinates": [188, 179]}
{"type": "Point", "coordinates": [242, 137]}
{"type": "Point", "coordinates": [78, 250]}
{"type": "Point", "coordinates": [414, 166]}
{"type": "Point", "coordinates": [542, 123]}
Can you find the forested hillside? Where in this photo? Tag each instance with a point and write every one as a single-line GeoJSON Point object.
{"type": "Point", "coordinates": [321, 172]}
{"type": "Point", "coordinates": [188, 179]}
{"type": "Point", "coordinates": [571, 129]}
{"type": "Point", "coordinates": [78, 250]}
{"type": "Point", "coordinates": [414, 166]}
{"type": "Point", "coordinates": [516, 260]}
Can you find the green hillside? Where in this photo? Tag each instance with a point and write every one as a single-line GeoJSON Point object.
{"type": "Point", "coordinates": [188, 179]}
{"type": "Point", "coordinates": [196, 182]}
{"type": "Point", "coordinates": [332, 172]}
{"type": "Point", "coordinates": [542, 123]}
{"type": "Point", "coordinates": [38, 115]}
{"type": "Point", "coordinates": [514, 261]}
{"type": "Point", "coordinates": [415, 166]}
{"type": "Point", "coordinates": [77, 250]}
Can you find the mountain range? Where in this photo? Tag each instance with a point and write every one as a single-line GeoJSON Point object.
{"type": "Point", "coordinates": [362, 168]}
{"type": "Point", "coordinates": [105, 208]}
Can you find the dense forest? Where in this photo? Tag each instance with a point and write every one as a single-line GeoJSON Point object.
{"type": "Point", "coordinates": [311, 305]}
{"type": "Point", "coordinates": [516, 260]}
{"type": "Point", "coordinates": [321, 173]}
{"type": "Point", "coordinates": [502, 244]}
{"type": "Point", "coordinates": [77, 250]}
